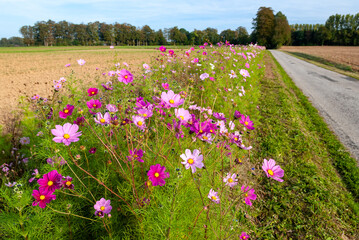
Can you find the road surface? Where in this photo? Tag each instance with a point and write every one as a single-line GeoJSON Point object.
{"type": "Point", "coordinates": [336, 96]}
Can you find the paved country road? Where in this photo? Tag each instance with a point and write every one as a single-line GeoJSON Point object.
{"type": "Point", "coordinates": [336, 96]}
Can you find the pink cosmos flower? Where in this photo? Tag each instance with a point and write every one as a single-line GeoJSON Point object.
{"type": "Point", "coordinates": [102, 207]}
{"type": "Point", "coordinates": [42, 198]}
{"type": "Point", "coordinates": [35, 174]}
{"type": "Point", "coordinates": [94, 104]}
{"type": "Point", "coordinates": [139, 122]}
{"type": "Point", "coordinates": [213, 196]}
{"type": "Point", "coordinates": [102, 119]}
{"type": "Point", "coordinates": [92, 91]}
{"type": "Point", "coordinates": [232, 74]}
{"type": "Point", "coordinates": [81, 62]}
{"type": "Point", "coordinates": [67, 111]}
{"type": "Point", "coordinates": [247, 65]}
{"type": "Point", "coordinates": [207, 137]}
{"type": "Point", "coordinates": [183, 115]}
{"type": "Point", "coordinates": [50, 181]}
{"type": "Point", "coordinates": [136, 154]}
{"type": "Point", "coordinates": [172, 99]}
{"type": "Point", "coordinates": [166, 86]}
{"type": "Point", "coordinates": [244, 236]}
{"type": "Point", "coordinates": [248, 195]}
{"type": "Point", "coordinates": [146, 66]}
{"type": "Point", "coordinates": [246, 121]}
{"type": "Point", "coordinates": [107, 86]}
{"type": "Point", "coordinates": [68, 65]}
{"type": "Point", "coordinates": [66, 134]}
{"type": "Point", "coordinates": [231, 180]}
{"type": "Point", "coordinates": [162, 49]}
{"type": "Point", "coordinates": [25, 140]}
{"type": "Point", "coordinates": [272, 170]}
{"type": "Point", "coordinates": [145, 113]}
{"type": "Point", "coordinates": [111, 108]}
{"type": "Point", "coordinates": [192, 161]}
{"type": "Point", "coordinates": [112, 47]}
{"type": "Point", "coordinates": [171, 52]}
{"type": "Point", "coordinates": [157, 175]}
{"type": "Point", "coordinates": [35, 97]}
{"type": "Point", "coordinates": [204, 76]}
{"type": "Point", "coordinates": [125, 76]}
{"type": "Point", "coordinates": [66, 182]}
{"type": "Point", "coordinates": [244, 73]}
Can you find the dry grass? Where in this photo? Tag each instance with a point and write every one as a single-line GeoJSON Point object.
{"type": "Point", "coordinates": [31, 72]}
{"type": "Point", "coordinates": [338, 54]}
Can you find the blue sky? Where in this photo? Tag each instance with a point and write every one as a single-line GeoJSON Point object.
{"type": "Point", "coordinates": [159, 14]}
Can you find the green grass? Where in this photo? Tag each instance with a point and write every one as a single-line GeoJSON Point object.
{"type": "Point", "coordinates": [314, 201]}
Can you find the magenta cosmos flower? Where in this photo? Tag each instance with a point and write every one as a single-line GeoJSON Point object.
{"type": "Point", "coordinates": [94, 104]}
{"type": "Point", "coordinates": [272, 170]}
{"type": "Point", "coordinates": [244, 236]}
{"type": "Point", "coordinates": [125, 76]}
{"type": "Point", "coordinates": [25, 140]}
{"type": "Point", "coordinates": [192, 161]}
{"type": "Point", "coordinates": [171, 52]}
{"type": "Point", "coordinates": [50, 181]}
{"type": "Point", "coordinates": [102, 207]}
{"type": "Point", "coordinates": [231, 180]}
{"type": "Point", "coordinates": [67, 111]}
{"type": "Point", "coordinates": [66, 182]}
{"type": "Point", "coordinates": [248, 195]}
{"type": "Point", "coordinates": [66, 134]}
{"type": "Point", "coordinates": [162, 49]}
{"type": "Point", "coordinates": [166, 86]}
{"type": "Point", "coordinates": [111, 108]}
{"type": "Point", "coordinates": [213, 196]}
{"type": "Point", "coordinates": [171, 99]}
{"type": "Point", "coordinates": [92, 91]}
{"type": "Point", "coordinates": [136, 154]}
{"type": "Point", "coordinates": [102, 119]}
{"type": "Point", "coordinates": [157, 175]}
{"type": "Point", "coordinates": [42, 198]}
{"type": "Point", "coordinates": [246, 121]}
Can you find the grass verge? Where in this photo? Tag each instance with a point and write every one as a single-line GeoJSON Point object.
{"type": "Point", "coordinates": [317, 199]}
{"type": "Point", "coordinates": [324, 63]}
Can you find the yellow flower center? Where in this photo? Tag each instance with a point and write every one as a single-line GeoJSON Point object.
{"type": "Point", "coordinates": [50, 183]}
{"type": "Point", "coordinates": [190, 161]}
{"type": "Point", "coordinates": [232, 73]}
{"type": "Point", "coordinates": [66, 136]}
{"type": "Point", "coordinates": [92, 92]}
{"type": "Point", "coordinates": [102, 208]}
{"type": "Point", "coordinates": [94, 105]}
{"type": "Point", "coordinates": [135, 156]}
{"type": "Point", "coordinates": [68, 183]}
{"type": "Point", "coordinates": [126, 76]}
{"type": "Point", "coordinates": [145, 115]}
{"type": "Point", "coordinates": [214, 198]}
{"type": "Point", "coordinates": [102, 120]}
{"type": "Point", "coordinates": [172, 101]}
{"type": "Point", "coordinates": [139, 123]}
{"type": "Point", "coordinates": [42, 197]}
{"type": "Point", "coordinates": [236, 139]}
{"type": "Point", "coordinates": [211, 130]}
{"type": "Point", "coordinates": [244, 237]}
{"type": "Point", "coordinates": [245, 123]}
{"type": "Point", "coordinates": [66, 111]}
{"type": "Point", "coordinates": [270, 172]}
{"type": "Point", "coordinates": [230, 180]}
{"type": "Point", "coordinates": [246, 194]}
{"type": "Point", "coordinates": [205, 138]}
{"type": "Point", "coordinates": [124, 122]}
{"type": "Point", "coordinates": [157, 174]}
{"type": "Point", "coordinates": [200, 131]}
{"type": "Point", "coordinates": [182, 117]}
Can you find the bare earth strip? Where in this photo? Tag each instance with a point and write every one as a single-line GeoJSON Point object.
{"type": "Point", "coordinates": [30, 73]}
{"type": "Point", "coordinates": [335, 96]}
{"type": "Point", "coordinates": [338, 54]}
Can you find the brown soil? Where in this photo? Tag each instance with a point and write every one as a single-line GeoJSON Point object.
{"type": "Point", "coordinates": [339, 54]}
{"type": "Point", "coordinates": [30, 73]}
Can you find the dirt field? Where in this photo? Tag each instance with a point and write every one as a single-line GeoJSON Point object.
{"type": "Point", "coordinates": [345, 55]}
{"type": "Point", "coordinates": [26, 72]}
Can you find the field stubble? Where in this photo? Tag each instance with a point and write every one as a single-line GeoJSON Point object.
{"type": "Point", "coordinates": [31, 72]}
{"type": "Point", "coordinates": [338, 54]}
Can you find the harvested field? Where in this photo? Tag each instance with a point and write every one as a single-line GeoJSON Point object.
{"type": "Point", "coordinates": [30, 71]}
{"type": "Point", "coordinates": [338, 54]}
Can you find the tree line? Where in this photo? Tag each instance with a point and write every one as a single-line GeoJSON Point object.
{"type": "Point", "coordinates": [338, 30]}
{"type": "Point", "coordinates": [63, 33]}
